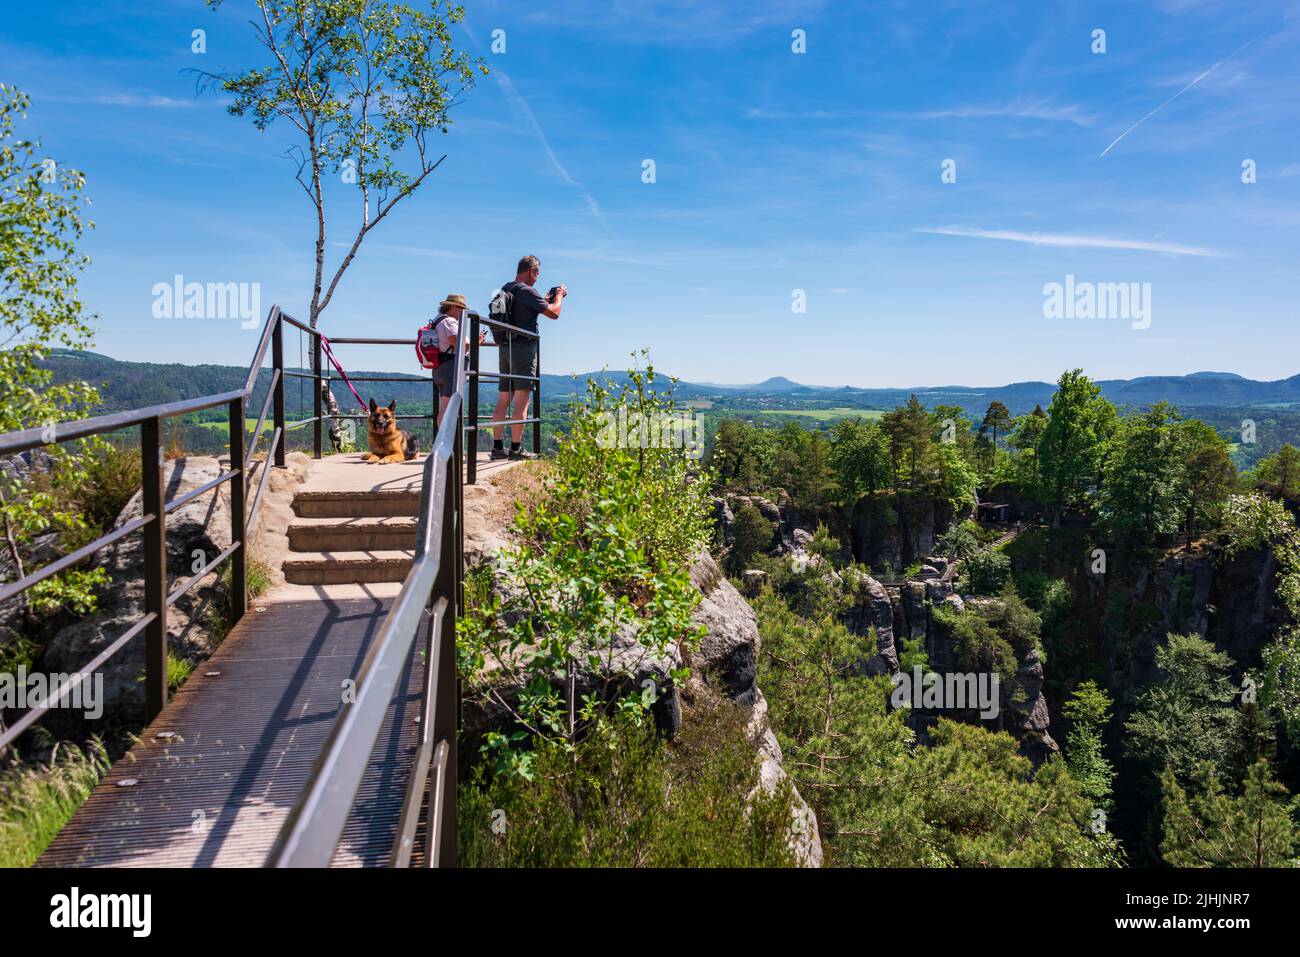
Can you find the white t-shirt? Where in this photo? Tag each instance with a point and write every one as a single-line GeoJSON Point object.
{"type": "Point", "coordinates": [448, 328]}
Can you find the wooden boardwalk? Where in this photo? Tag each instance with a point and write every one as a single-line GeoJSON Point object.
{"type": "Point", "coordinates": [217, 772]}
{"type": "Point", "coordinates": [213, 778]}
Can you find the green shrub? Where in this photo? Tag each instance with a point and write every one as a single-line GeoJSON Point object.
{"type": "Point", "coordinates": [597, 453]}
{"type": "Point", "coordinates": [112, 476]}
{"type": "Point", "coordinates": [979, 646]}
{"type": "Point", "coordinates": [624, 797]}
{"type": "Point", "coordinates": [961, 541]}
{"type": "Point", "coordinates": [598, 584]}
{"type": "Point", "coordinates": [986, 571]}
{"type": "Point", "coordinates": [752, 536]}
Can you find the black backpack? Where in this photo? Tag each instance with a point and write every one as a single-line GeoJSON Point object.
{"type": "Point", "coordinates": [502, 310]}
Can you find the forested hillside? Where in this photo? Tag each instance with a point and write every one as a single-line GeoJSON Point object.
{"type": "Point", "coordinates": [1136, 592]}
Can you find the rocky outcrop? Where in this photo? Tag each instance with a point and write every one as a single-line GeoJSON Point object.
{"type": "Point", "coordinates": [873, 611]}
{"type": "Point", "coordinates": [1022, 709]}
{"type": "Point", "coordinates": [1233, 604]}
{"type": "Point", "coordinates": [885, 533]}
{"type": "Point", "coordinates": [196, 533]}
{"type": "Point", "coordinates": [876, 532]}
{"type": "Point", "coordinates": [726, 664]}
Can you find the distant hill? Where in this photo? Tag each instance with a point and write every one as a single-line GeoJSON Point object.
{"type": "Point", "coordinates": [126, 385]}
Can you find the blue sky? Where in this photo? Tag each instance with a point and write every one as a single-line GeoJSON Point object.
{"type": "Point", "coordinates": [775, 172]}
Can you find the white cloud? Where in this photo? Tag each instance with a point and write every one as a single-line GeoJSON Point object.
{"type": "Point", "coordinates": [1021, 108]}
{"type": "Point", "coordinates": [125, 99]}
{"type": "Point", "coordinates": [1073, 241]}
{"type": "Point", "coordinates": [1017, 109]}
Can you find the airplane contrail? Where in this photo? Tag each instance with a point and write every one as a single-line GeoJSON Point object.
{"type": "Point", "coordinates": [521, 108]}
{"type": "Point", "coordinates": [1188, 87]}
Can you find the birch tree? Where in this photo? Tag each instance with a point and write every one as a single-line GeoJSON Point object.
{"type": "Point", "coordinates": [365, 85]}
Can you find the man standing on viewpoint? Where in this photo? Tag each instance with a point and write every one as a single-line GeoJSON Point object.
{"type": "Point", "coordinates": [518, 355]}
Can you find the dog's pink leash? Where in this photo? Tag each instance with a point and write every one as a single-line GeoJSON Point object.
{"type": "Point", "coordinates": [325, 343]}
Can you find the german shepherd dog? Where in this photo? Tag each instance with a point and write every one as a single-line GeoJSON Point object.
{"type": "Point", "coordinates": [388, 443]}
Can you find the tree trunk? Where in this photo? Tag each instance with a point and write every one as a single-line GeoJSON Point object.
{"type": "Point", "coordinates": [331, 408]}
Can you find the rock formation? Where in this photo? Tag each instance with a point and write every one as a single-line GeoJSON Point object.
{"type": "Point", "coordinates": [196, 533]}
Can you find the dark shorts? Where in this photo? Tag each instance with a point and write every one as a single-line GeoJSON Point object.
{"type": "Point", "coordinates": [445, 377]}
{"type": "Point", "coordinates": [517, 358]}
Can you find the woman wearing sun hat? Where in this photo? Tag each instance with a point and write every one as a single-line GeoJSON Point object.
{"type": "Point", "coordinates": [447, 325]}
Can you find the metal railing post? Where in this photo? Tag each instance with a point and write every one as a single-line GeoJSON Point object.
{"type": "Point", "coordinates": [445, 697]}
{"type": "Point", "coordinates": [238, 506]}
{"type": "Point", "coordinates": [154, 535]}
{"type": "Point", "coordinates": [537, 402]}
{"type": "Point", "coordinates": [471, 463]}
{"type": "Point", "coordinates": [458, 596]}
{"type": "Point", "coordinates": [277, 362]}
{"type": "Point", "coordinates": [316, 405]}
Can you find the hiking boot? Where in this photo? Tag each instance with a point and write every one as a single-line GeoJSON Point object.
{"type": "Point", "coordinates": [498, 454]}
{"type": "Point", "coordinates": [521, 455]}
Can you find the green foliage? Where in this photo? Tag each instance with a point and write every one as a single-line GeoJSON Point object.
{"type": "Point", "coordinates": [1025, 437]}
{"type": "Point", "coordinates": [801, 464]}
{"type": "Point", "coordinates": [178, 671]}
{"type": "Point", "coordinates": [986, 571]}
{"type": "Point", "coordinates": [41, 223]}
{"type": "Point", "coordinates": [1142, 494]}
{"type": "Point", "coordinates": [753, 536]}
{"type": "Point", "coordinates": [1051, 598]}
{"type": "Point", "coordinates": [623, 797]}
{"type": "Point", "coordinates": [912, 655]}
{"type": "Point", "coordinates": [966, 799]}
{"type": "Point", "coordinates": [1256, 522]}
{"type": "Point", "coordinates": [1187, 718]}
{"type": "Point", "coordinates": [217, 614]}
{"type": "Point", "coordinates": [741, 455]}
{"type": "Point", "coordinates": [1088, 711]}
{"type": "Point", "coordinates": [1070, 448]}
{"type": "Point", "coordinates": [590, 457]}
{"type": "Point", "coordinates": [599, 584]}
{"type": "Point", "coordinates": [1279, 681]}
{"type": "Point", "coordinates": [37, 800]}
{"type": "Point", "coordinates": [1210, 827]}
{"type": "Point", "coordinates": [956, 477]}
{"type": "Point", "coordinates": [112, 476]}
{"type": "Point", "coordinates": [824, 545]}
{"type": "Point", "coordinates": [911, 443]}
{"type": "Point", "coordinates": [960, 541]}
{"type": "Point", "coordinates": [1163, 473]}
{"type": "Point", "coordinates": [1208, 477]}
{"type": "Point", "coordinates": [1279, 474]}
{"type": "Point", "coordinates": [979, 645]}
{"type": "Point", "coordinates": [997, 421]}
{"type": "Point", "coordinates": [860, 458]}
{"type": "Point", "coordinates": [364, 84]}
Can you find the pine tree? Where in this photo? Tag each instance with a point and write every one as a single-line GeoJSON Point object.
{"type": "Point", "coordinates": [1088, 710]}
{"type": "Point", "coordinates": [1212, 828]}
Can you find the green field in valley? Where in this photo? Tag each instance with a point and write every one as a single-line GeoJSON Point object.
{"type": "Point", "coordinates": [825, 415]}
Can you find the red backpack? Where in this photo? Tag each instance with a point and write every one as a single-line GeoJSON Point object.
{"type": "Point", "coordinates": [426, 346]}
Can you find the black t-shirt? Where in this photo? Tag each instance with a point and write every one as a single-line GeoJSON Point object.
{"type": "Point", "coordinates": [528, 305]}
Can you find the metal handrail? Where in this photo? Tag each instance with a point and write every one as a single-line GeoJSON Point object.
{"type": "Point", "coordinates": [430, 593]}
{"type": "Point", "coordinates": [474, 427]}
{"type": "Point", "coordinates": [152, 524]}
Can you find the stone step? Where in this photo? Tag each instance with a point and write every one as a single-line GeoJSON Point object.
{"type": "Point", "coordinates": [347, 567]}
{"type": "Point", "coordinates": [367, 533]}
{"type": "Point", "coordinates": [357, 504]}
